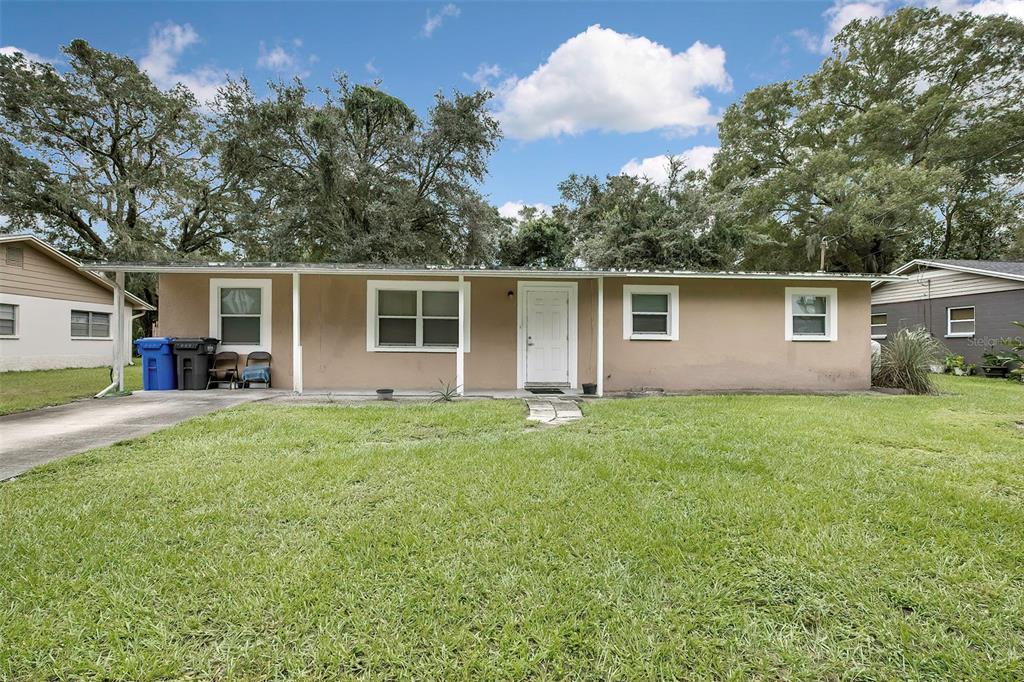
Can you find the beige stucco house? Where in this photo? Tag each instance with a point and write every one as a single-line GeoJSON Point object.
{"type": "Point", "coordinates": [53, 313]}
{"type": "Point", "coordinates": [340, 327]}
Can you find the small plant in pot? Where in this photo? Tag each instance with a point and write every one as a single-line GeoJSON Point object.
{"type": "Point", "coordinates": [1007, 363]}
{"type": "Point", "coordinates": [955, 365]}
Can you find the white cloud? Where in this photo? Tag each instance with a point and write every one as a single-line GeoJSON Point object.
{"type": "Point", "coordinates": [610, 81]}
{"type": "Point", "coordinates": [10, 50]}
{"type": "Point", "coordinates": [655, 168]}
{"type": "Point", "coordinates": [434, 21]}
{"type": "Point", "coordinates": [1013, 8]}
{"type": "Point", "coordinates": [276, 59]}
{"type": "Point", "coordinates": [837, 17]}
{"type": "Point", "coordinates": [167, 42]}
{"type": "Point", "coordinates": [283, 61]}
{"type": "Point", "coordinates": [843, 12]}
{"type": "Point", "coordinates": [511, 209]}
{"type": "Point", "coordinates": [484, 76]}
{"type": "Point", "coordinates": [371, 67]}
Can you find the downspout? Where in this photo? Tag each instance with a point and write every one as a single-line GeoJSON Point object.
{"type": "Point", "coordinates": [118, 345]}
{"type": "Point", "coordinates": [131, 325]}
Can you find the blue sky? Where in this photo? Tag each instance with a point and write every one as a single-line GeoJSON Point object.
{"type": "Point", "coordinates": [587, 88]}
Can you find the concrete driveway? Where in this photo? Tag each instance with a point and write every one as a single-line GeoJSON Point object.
{"type": "Point", "coordinates": [32, 438]}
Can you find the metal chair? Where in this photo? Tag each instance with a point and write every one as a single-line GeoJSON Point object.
{"type": "Point", "coordinates": [224, 369]}
{"type": "Point", "coordinates": [257, 369]}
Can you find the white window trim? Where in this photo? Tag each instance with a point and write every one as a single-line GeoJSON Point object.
{"type": "Point", "coordinates": [831, 313]}
{"type": "Point", "coordinates": [627, 311]}
{"type": "Point", "coordinates": [375, 285]}
{"type": "Point", "coordinates": [882, 335]}
{"type": "Point", "coordinates": [266, 293]}
{"type": "Point", "coordinates": [17, 321]}
{"type": "Point", "coordinates": [950, 334]}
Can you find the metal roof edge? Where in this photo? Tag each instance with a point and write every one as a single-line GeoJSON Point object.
{"type": "Point", "coordinates": [443, 271]}
{"type": "Point", "coordinates": [958, 268]}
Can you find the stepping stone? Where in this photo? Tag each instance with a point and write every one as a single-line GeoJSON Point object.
{"type": "Point", "coordinates": [552, 411]}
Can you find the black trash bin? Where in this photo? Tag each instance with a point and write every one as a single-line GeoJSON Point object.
{"type": "Point", "coordinates": [193, 357]}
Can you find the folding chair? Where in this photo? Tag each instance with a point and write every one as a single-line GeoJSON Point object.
{"type": "Point", "coordinates": [224, 369]}
{"type": "Point", "coordinates": [257, 369]}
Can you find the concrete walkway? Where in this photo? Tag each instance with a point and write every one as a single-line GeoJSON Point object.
{"type": "Point", "coordinates": [552, 411]}
{"type": "Point", "coordinates": [32, 438]}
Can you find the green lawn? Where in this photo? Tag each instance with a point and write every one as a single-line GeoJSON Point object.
{"type": "Point", "coordinates": [736, 537]}
{"type": "Point", "coordinates": [20, 391]}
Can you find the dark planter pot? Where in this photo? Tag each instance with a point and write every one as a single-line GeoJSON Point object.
{"type": "Point", "coordinates": [997, 371]}
{"type": "Point", "coordinates": [385, 394]}
{"type": "Point", "coordinates": [589, 389]}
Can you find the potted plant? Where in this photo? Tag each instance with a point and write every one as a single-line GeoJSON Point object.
{"type": "Point", "coordinates": [955, 365]}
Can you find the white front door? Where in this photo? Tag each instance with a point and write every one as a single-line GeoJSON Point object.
{"type": "Point", "coordinates": [547, 336]}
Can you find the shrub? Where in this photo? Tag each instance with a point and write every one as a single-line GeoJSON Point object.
{"type": "Point", "coordinates": [1012, 358]}
{"type": "Point", "coordinates": [446, 394]}
{"type": "Point", "coordinates": [905, 361]}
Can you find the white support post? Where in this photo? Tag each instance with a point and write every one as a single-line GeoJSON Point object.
{"type": "Point", "coordinates": [119, 331]}
{"type": "Point", "coordinates": [600, 336]}
{"type": "Point", "coordinates": [296, 336]}
{"type": "Point", "coordinates": [460, 351]}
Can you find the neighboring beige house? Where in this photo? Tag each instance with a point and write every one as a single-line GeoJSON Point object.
{"type": "Point", "coordinates": [53, 314]}
{"type": "Point", "coordinates": [347, 327]}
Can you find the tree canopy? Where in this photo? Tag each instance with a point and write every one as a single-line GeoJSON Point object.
{"type": "Point", "coordinates": [631, 222]}
{"type": "Point", "coordinates": [358, 177]}
{"type": "Point", "coordinates": [104, 164]}
{"type": "Point", "coordinates": [907, 142]}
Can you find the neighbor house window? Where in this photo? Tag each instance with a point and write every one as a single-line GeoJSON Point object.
{"type": "Point", "coordinates": [811, 314]}
{"type": "Point", "coordinates": [650, 312]}
{"type": "Point", "coordinates": [8, 319]}
{"type": "Point", "coordinates": [879, 325]}
{"type": "Point", "coordinates": [86, 324]}
{"type": "Point", "coordinates": [960, 321]}
{"type": "Point", "coordinates": [240, 313]}
{"type": "Point", "coordinates": [422, 316]}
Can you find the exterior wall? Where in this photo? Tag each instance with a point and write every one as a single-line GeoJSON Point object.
{"type": "Point", "coordinates": [994, 314]}
{"type": "Point", "coordinates": [43, 277]}
{"type": "Point", "coordinates": [732, 336]}
{"type": "Point", "coordinates": [941, 283]}
{"type": "Point", "coordinates": [43, 339]}
{"type": "Point", "coordinates": [184, 310]}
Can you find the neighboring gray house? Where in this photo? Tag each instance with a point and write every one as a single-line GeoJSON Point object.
{"type": "Point", "coordinates": [968, 304]}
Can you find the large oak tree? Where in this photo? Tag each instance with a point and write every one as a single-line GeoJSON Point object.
{"type": "Point", "coordinates": [907, 142]}
{"type": "Point", "coordinates": [357, 176]}
{"type": "Point", "coordinates": [102, 163]}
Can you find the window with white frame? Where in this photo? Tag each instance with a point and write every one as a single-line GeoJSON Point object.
{"type": "Point", "coordinates": [650, 312]}
{"type": "Point", "coordinates": [811, 314]}
{"type": "Point", "coordinates": [414, 316]}
{"type": "Point", "coordinates": [240, 314]}
{"type": "Point", "coordinates": [86, 324]}
{"type": "Point", "coordinates": [8, 319]}
{"type": "Point", "coordinates": [960, 321]}
{"type": "Point", "coordinates": [879, 325]}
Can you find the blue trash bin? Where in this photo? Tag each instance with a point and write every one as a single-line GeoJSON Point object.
{"type": "Point", "coordinates": [158, 370]}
